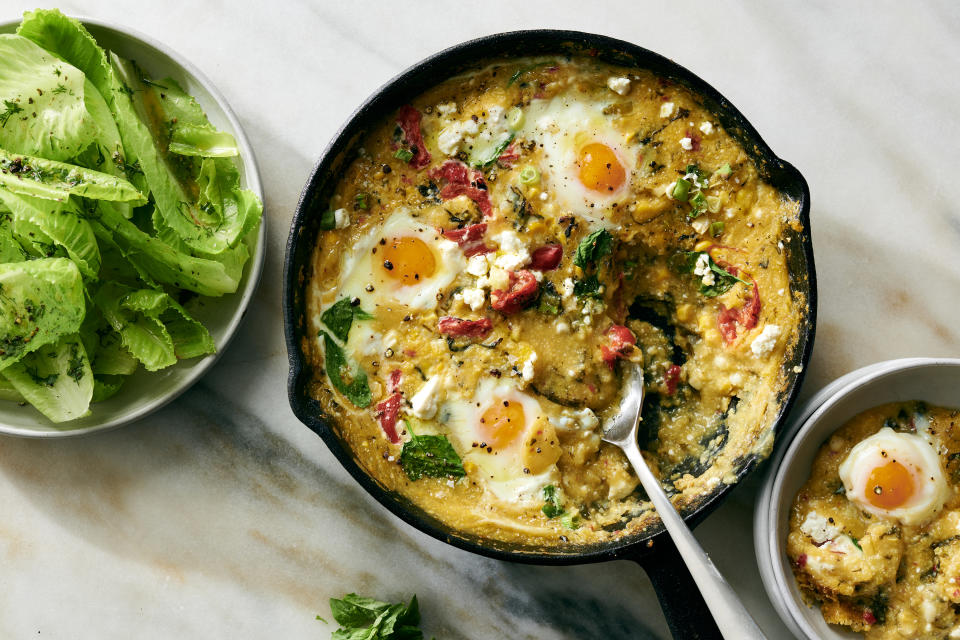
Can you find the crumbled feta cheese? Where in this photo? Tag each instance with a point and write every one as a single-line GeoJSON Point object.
{"type": "Point", "coordinates": [494, 114]}
{"type": "Point", "coordinates": [537, 275]}
{"type": "Point", "coordinates": [666, 109]}
{"type": "Point", "coordinates": [478, 265]}
{"type": "Point", "coordinates": [563, 422]}
{"type": "Point", "coordinates": [509, 241]}
{"type": "Point", "coordinates": [513, 261]}
{"type": "Point", "coordinates": [706, 128]}
{"type": "Point", "coordinates": [702, 266]}
{"type": "Point", "coordinates": [424, 402]}
{"type": "Point", "coordinates": [528, 371]}
{"type": "Point", "coordinates": [447, 109]}
{"type": "Point", "coordinates": [450, 483]}
{"type": "Point", "coordinates": [819, 528]}
{"type": "Point", "coordinates": [619, 85]}
{"type": "Point", "coordinates": [686, 143]}
{"type": "Point", "coordinates": [473, 298]}
{"type": "Point", "coordinates": [700, 225]}
{"type": "Point", "coordinates": [566, 289]}
{"type": "Point", "coordinates": [341, 219]}
{"type": "Point", "coordinates": [448, 140]}
{"type": "Point", "coordinates": [736, 379]}
{"type": "Point", "coordinates": [543, 196]}
{"type": "Point", "coordinates": [563, 327]}
{"type": "Point", "coordinates": [587, 419]}
{"type": "Point", "coordinates": [766, 341]}
{"type": "Point", "coordinates": [469, 126]}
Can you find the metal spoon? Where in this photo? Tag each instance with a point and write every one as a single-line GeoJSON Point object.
{"type": "Point", "coordinates": [732, 618]}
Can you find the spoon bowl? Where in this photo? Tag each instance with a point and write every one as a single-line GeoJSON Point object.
{"type": "Point", "coordinates": [732, 618]}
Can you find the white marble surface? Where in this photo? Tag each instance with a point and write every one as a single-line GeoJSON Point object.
{"type": "Point", "coordinates": [222, 516]}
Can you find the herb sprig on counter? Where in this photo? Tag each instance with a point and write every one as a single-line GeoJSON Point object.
{"type": "Point", "coordinates": [362, 618]}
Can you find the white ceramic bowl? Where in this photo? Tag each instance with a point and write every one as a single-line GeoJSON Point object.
{"type": "Point", "coordinates": [146, 392]}
{"type": "Point", "coordinates": [935, 381]}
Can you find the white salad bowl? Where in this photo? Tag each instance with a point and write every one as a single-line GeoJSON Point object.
{"type": "Point", "coordinates": [145, 392]}
{"type": "Point", "coordinates": [933, 380]}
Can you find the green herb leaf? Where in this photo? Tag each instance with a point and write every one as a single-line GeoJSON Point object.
{"type": "Point", "coordinates": [403, 154]}
{"type": "Point", "coordinates": [431, 456]}
{"type": "Point", "coordinates": [368, 619]}
{"type": "Point", "coordinates": [339, 318]}
{"type": "Point", "coordinates": [698, 204]}
{"type": "Point", "coordinates": [361, 200]}
{"type": "Point", "coordinates": [552, 508]}
{"type": "Point", "coordinates": [550, 302]}
{"type": "Point", "coordinates": [346, 377]}
{"type": "Point", "coordinates": [856, 543]}
{"type": "Point", "coordinates": [593, 247]}
{"type": "Point", "coordinates": [570, 521]}
{"type": "Point", "coordinates": [589, 287]}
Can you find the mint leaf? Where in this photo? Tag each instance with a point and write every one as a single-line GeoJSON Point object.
{"type": "Point", "coordinates": [589, 287]}
{"type": "Point", "coordinates": [552, 507]}
{"type": "Point", "coordinates": [593, 247]}
{"type": "Point", "coordinates": [431, 456]}
{"type": "Point", "coordinates": [346, 377]}
{"type": "Point", "coordinates": [339, 318]}
{"type": "Point", "coordinates": [364, 618]}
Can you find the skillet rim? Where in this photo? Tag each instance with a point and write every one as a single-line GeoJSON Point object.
{"type": "Point", "coordinates": [781, 174]}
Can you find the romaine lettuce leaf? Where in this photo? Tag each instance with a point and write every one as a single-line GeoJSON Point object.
{"type": "Point", "coordinates": [208, 229]}
{"type": "Point", "coordinates": [165, 264]}
{"type": "Point", "coordinates": [105, 387]}
{"type": "Point", "coordinates": [52, 180]}
{"type": "Point", "coordinates": [202, 140]}
{"type": "Point", "coordinates": [9, 393]}
{"type": "Point", "coordinates": [40, 300]}
{"type": "Point", "coordinates": [44, 221]}
{"type": "Point", "coordinates": [56, 379]}
{"type": "Point", "coordinates": [42, 110]}
{"type": "Point", "coordinates": [10, 248]}
{"type": "Point", "coordinates": [152, 326]}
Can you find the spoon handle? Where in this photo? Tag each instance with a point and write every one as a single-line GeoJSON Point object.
{"type": "Point", "coordinates": [732, 618]}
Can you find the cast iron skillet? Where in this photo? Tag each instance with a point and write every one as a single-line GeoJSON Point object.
{"type": "Point", "coordinates": [685, 610]}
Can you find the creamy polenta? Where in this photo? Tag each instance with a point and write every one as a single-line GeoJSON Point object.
{"type": "Point", "coordinates": [493, 255]}
{"type": "Point", "coordinates": [875, 532]}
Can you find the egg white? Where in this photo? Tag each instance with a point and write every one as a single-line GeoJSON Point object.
{"type": "Point", "coordinates": [563, 126]}
{"type": "Point", "coordinates": [362, 267]}
{"type": "Point", "coordinates": [913, 452]}
{"type": "Point", "coordinates": [502, 472]}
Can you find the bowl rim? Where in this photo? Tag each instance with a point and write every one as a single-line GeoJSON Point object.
{"type": "Point", "coordinates": [253, 275]}
{"type": "Point", "coordinates": [296, 384]}
{"type": "Point", "coordinates": [771, 502]}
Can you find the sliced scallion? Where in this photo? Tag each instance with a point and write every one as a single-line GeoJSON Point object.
{"type": "Point", "coordinates": [716, 229]}
{"type": "Point", "coordinates": [713, 204]}
{"type": "Point", "coordinates": [529, 175]}
{"type": "Point", "coordinates": [725, 171]}
{"type": "Point", "coordinates": [514, 118]}
{"type": "Point", "coordinates": [681, 190]}
{"type": "Point", "coordinates": [403, 154]}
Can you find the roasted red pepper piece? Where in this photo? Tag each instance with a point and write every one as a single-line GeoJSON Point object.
{"type": "Point", "coordinates": [469, 238]}
{"type": "Point", "coordinates": [672, 378]}
{"type": "Point", "coordinates": [450, 326]}
{"type": "Point", "coordinates": [394, 384]}
{"type": "Point", "coordinates": [622, 341]}
{"type": "Point", "coordinates": [387, 412]}
{"type": "Point", "coordinates": [461, 181]}
{"type": "Point", "coordinates": [522, 291]}
{"type": "Point", "coordinates": [409, 120]}
{"type": "Point", "coordinates": [547, 257]}
{"type": "Point", "coordinates": [746, 316]}
{"type": "Point", "coordinates": [509, 156]}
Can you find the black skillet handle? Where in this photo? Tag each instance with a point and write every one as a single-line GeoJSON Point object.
{"type": "Point", "coordinates": [687, 614]}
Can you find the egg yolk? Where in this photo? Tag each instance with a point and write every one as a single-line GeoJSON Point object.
{"type": "Point", "coordinates": [502, 424]}
{"type": "Point", "coordinates": [600, 169]}
{"type": "Point", "coordinates": [889, 486]}
{"type": "Point", "coordinates": [408, 260]}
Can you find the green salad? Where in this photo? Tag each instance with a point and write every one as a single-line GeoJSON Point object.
{"type": "Point", "coordinates": [119, 204]}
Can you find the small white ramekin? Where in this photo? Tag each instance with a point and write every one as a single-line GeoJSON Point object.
{"type": "Point", "coordinates": [933, 380]}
